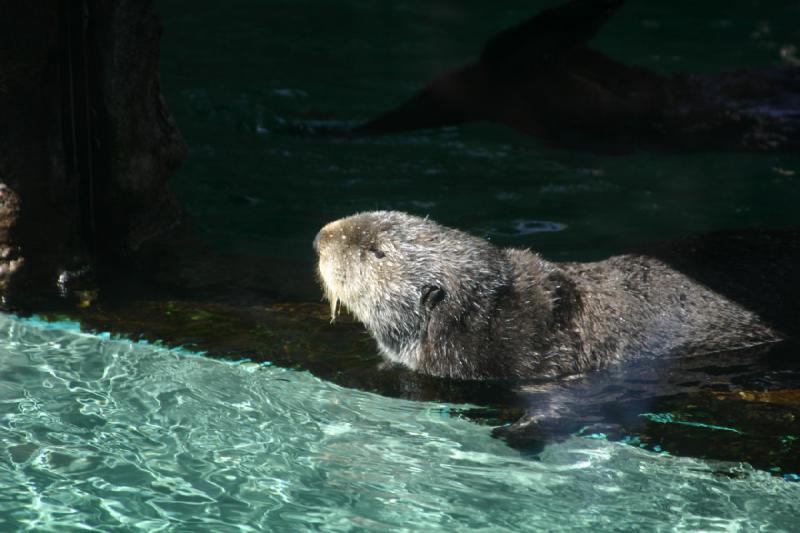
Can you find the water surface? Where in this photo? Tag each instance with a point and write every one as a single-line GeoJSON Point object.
{"type": "Point", "coordinates": [108, 435]}
{"type": "Point", "coordinates": [112, 435]}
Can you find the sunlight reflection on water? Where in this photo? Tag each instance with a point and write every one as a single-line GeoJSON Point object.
{"type": "Point", "coordinates": [107, 433]}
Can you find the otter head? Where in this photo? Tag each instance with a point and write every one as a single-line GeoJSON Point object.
{"type": "Point", "coordinates": [409, 280]}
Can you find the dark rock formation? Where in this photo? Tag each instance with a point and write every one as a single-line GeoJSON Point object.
{"type": "Point", "coordinates": [87, 143]}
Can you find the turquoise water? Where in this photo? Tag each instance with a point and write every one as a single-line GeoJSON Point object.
{"type": "Point", "coordinates": [107, 435]}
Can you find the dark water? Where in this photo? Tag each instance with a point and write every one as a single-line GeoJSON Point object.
{"type": "Point", "coordinates": [241, 85]}
{"type": "Point", "coordinates": [106, 434]}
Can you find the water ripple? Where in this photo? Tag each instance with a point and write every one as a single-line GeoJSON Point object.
{"type": "Point", "coordinates": [120, 436]}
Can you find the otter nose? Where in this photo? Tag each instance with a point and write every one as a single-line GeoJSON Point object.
{"type": "Point", "coordinates": [316, 241]}
{"type": "Point", "coordinates": [322, 234]}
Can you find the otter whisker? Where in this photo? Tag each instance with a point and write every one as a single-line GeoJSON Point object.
{"type": "Point", "coordinates": [336, 308]}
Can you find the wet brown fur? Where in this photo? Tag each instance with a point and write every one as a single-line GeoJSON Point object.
{"type": "Point", "coordinates": [446, 303]}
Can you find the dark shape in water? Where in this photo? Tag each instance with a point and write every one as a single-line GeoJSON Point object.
{"type": "Point", "coordinates": [542, 79]}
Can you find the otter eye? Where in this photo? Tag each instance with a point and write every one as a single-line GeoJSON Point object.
{"type": "Point", "coordinates": [432, 295]}
{"type": "Point", "coordinates": [377, 253]}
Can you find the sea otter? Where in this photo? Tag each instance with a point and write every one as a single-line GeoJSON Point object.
{"type": "Point", "coordinates": [542, 79]}
{"type": "Point", "coordinates": [450, 304]}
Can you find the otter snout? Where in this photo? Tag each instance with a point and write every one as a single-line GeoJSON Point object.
{"type": "Point", "coordinates": [328, 267]}
{"type": "Point", "coordinates": [323, 236]}
{"type": "Point", "coordinates": [315, 244]}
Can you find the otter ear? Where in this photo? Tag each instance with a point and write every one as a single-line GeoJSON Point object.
{"type": "Point", "coordinates": [431, 295]}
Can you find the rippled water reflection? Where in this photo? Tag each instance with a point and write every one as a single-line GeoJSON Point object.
{"type": "Point", "coordinates": [109, 434]}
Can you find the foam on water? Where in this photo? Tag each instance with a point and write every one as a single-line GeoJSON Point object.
{"type": "Point", "coordinates": [101, 433]}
